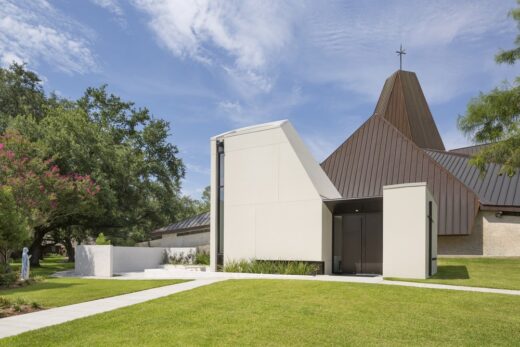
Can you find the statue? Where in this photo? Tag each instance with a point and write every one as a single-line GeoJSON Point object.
{"type": "Point", "coordinates": [25, 263]}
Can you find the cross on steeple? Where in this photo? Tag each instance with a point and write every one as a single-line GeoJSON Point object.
{"type": "Point", "coordinates": [400, 53]}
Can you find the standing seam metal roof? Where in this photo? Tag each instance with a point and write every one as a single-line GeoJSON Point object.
{"type": "Point", "coordinates": [492, 188]}
{"type": "Point", "coordinates": [199, 221]}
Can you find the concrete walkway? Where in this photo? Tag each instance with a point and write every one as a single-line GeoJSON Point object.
{"type": "Point", "coordinates": [180, 274]}
{"type": "Point", "coordinates": [15, 325]}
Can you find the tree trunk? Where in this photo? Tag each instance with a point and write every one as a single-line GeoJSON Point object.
{"type": "Point", "coordinates": [36, 249]}
{"type": "Point", "coordinates": [70, 249]}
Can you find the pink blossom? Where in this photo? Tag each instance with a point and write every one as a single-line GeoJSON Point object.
{"type": "Point", "coordinates": [1, 146]}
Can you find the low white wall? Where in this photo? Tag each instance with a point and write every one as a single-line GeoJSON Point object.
{"type": "Point", "coordinates": [94, 261]}
{"type": "Point", "coordinates": [105, 261]}
{"type": "Point", "coordinates": [129, 259]}
{"type": "Point", "coordinates": [405, 231]}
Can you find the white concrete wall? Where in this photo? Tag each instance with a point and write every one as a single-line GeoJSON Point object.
{"type": "Point", "coordinates": [405, 230]}
{"type": "Point", "coordinates": [94, 261]}
{"type": "Point", "coordinates": [273, 207]}
{"type": "Point", "coordinates": [129, 259]}
{"type": "Point", "coordinates": [105, 261]}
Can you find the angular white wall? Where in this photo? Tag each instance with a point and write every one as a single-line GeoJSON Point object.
{"type": "Point", "coordinates": [273, 191]}
{"type": "Point", "coordinates": [406, 231]}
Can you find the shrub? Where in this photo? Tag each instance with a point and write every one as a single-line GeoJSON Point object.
{"type": "Point", "coordinates": [202, 258]}
{"type": "Point", "coordinates": [8, 278]}
{"type": "Point", "coordinates": [272, 267]}
{"type": "Point", "coordinates": [181, 258]}
{"type": "Point", "coordinates": [102, 240]}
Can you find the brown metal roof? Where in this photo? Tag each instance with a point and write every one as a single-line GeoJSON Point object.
{"type": "Point", "coordinates": [200, 221]}
{"type": "Point", "coordinates": [492, 188]}
{"type": "Point", "coordinates": [403, 104]}
{"type": "Point", "coordinates": [468, 150]}
{"type": "Point", "coordinates": [378, 154]}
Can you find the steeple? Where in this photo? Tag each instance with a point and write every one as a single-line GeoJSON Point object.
{"type": "Point", "coordinates": [403, 104]}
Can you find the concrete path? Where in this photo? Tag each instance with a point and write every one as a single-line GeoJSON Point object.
{"type": "Point", "coordinates": [30, 321]}
{"type": "Point", "coordinates": [451, 287]}
{"type": "Point", "coordinates": [180, 274]}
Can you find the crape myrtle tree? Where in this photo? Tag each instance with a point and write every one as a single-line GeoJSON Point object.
{"type": "Point", "coordinates": [494, 118]}
{"type": "Point", "coordinates": [35, 195]}
{"type": "Point", "coordinates": [123, 149]}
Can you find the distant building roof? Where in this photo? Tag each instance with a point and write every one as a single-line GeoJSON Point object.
{"type": "Point", "coordinates": [492, 189]}
{"type": "Point", "coordinates": [200, 221]}
{"type": "Point", "coordinates": [468, 150]}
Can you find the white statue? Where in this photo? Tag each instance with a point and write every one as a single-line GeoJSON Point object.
{"type": "Point", "coordinates": [26, 264]}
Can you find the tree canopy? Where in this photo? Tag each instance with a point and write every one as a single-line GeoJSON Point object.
{"type": "Point", "coordinates": [494, 118]}
{"type": "Point", "coordinates": [124, 151]}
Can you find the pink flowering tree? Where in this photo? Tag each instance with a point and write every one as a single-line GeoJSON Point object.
{"type": "Point", "coordinates": [44, 197]}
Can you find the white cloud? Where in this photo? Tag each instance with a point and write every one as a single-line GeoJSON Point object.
{"type": "Point", "coordinates": [444, 39]}
{"type": "Point", "coordinates": [34, 31]}
{"type": "Point", "coordinates": [346, 43]}
{"type": "Point", "coordinates": [114, 7]}
{"type": "Point", "coordinates": [242, 37]}
{"type": "Point", "coordinates": [262, 109]}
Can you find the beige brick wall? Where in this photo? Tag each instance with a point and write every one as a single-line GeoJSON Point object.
{"type": "Point", "coordinates": [491, 236]}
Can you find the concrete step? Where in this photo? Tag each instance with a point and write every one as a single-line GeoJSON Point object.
{"type": "Point", "coordinates": [176, 268]}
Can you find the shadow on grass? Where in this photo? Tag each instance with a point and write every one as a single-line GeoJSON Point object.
{"type": "Point", "coordinates": [36, 287]}
{"type": "Point", "coordinates": [451, 272]}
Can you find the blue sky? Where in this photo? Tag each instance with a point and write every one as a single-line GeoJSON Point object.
{"type": "Point", "coordinates": [211, 66]}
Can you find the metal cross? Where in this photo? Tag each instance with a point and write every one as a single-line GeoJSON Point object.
{"type": "Point", "coordinates": [400, 52]}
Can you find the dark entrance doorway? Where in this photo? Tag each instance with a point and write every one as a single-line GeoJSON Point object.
{"type": "Point", "coordinates": [357, 236]}
{"type": "Point", "coordinates": [362, 251]}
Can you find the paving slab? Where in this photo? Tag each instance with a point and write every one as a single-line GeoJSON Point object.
{"type": "Point", "coordinates": [15, 325]}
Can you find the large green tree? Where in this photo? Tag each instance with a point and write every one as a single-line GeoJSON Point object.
{"type": "Point", "coordinates": [124, 149]}
{"type": "Point", "coordinates": [35, 194]}
{"type": "Point", "coordinates": [21, 93]}
{"type": "Point", "coordinates": [494, 118]}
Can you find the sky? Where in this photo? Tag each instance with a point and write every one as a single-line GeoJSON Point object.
{"type": "Point", "coordinates": [211, 66]}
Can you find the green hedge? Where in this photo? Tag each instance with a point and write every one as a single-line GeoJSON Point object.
{"type": "Point", "coordinates": [272, 267]}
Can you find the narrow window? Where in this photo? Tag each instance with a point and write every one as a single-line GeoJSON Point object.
{"type": "Point", "coordinates": [220, 213]}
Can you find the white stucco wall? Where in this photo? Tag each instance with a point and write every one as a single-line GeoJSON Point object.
{"type": "Point", "coordinates": [129, 259]}
{"type": "Point", "coordinates": [105, 261]}
{"type": "Point", "coordinates": [273, 197]}
{"type": "Point", "coordinates": [405, 230]}
{"type": "Point", "coordinates": [93, 260]}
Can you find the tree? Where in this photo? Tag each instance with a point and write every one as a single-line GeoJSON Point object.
{"type": "Point", "coordinates": [125, 150]}
{"type": "Point", "coordinates": [21, 93]}
{"type": "Point", "coordinates": [494, 118]}
{"type": "Point", "coordinates": [46, 197]}
{"type": "Point", "coordinates": [14, 229]}
{"type": "Point", "coordinates": [206, 199]}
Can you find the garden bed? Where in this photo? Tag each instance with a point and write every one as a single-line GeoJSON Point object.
{"type": "Point", "coordinates": [13, 307]}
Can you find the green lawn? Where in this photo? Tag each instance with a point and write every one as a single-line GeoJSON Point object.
{"type": "Point", "coordinates": [276, 312]}
{"type": "Point", "coordinates": [53, 292]}
{"type": "Point", "coordinates": [501, 273]}
{"type": "Point", "coordinates": [48, 266]}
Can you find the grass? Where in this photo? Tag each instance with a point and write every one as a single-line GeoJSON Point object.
{"type": "Point", "coordinates": [501, 273]}
{"type": "Point", "coordinates": [272, 267]}
{"type": "Point", "coordinates": [53, 292]}
{"type": "Point", "coordinates": [276, 312]}
{"type": "Point", "coordinates": [48, 266]}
